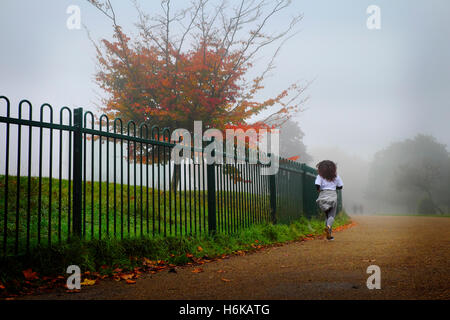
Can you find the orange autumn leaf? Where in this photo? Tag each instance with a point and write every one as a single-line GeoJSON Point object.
{"type": "Point", "coordinates": [30, 275]}
{"type": "Point", "coordinates": [88, 282]}
{"type": "Point", "coordinates": [197, 270]}
{"type": "Point", "coordinates": [225, 280]}
{"type": "Point", "coordinates": [126, 276]}
{"type": "Point", "coordinates": [200, 249]}
{"type": "Point", "coordinates": [131, 281]}
{"type": "Point", "coordinates": [73, 290]}
{"type": "Point", "coordinates": [147, 262]}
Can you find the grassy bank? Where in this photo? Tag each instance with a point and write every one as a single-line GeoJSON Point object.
{"type": "Point", "coordinates": [105, 255]}
{"type": "Point", "coordinates": [40, 211]}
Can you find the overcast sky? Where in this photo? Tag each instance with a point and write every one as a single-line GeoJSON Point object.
{"type": "Point", "coordinates": [371, 87]}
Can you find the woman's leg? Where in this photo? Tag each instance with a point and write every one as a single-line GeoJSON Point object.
{"type": "Point", "coordinates": [331, 214]}
{"type": "Point", "coordinates": [326, 217]}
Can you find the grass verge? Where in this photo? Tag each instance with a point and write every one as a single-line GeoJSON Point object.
{"type": "Point", "coordinates": [103, 256]}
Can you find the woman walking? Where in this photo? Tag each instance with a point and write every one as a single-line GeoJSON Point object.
{"type": "Point", "coordinates": [327, 182]}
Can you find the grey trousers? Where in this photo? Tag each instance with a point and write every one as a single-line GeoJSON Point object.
{"type": "Point", "coordinates": [330, 216]}
{"type": "Point", "coordinates": [327, 202]}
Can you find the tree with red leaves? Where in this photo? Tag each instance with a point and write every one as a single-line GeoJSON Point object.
{"type": "Point", "coordinates": [198, 72]}
{"type": "Point", "coordinates": [194, 64]}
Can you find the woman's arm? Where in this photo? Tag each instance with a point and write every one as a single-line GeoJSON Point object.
{"type": "Point", "coordinates": [318, 182]}
{"type": "Point", "coordinates": [339, 184]}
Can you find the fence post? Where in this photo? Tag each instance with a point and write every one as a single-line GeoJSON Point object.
{"type": "Point", "coordinates": [77, 170]}
{"type": "Point", "coordinates": [339, 204]}
{"type": "Point", "coordinates": [211, 185]}
{"type": "Point", "coordinates": [304, 191]}
{"type": "Point", "coordinates": [273, 196]}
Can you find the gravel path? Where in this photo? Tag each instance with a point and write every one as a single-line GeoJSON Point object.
{"type": "Point", "coordinates": [412, 252]}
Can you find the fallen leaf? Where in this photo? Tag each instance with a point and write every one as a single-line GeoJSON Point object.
{"type": "Point", "coordinates": [88, 282]}
{"type": "Point", "coordinates": [225, 280]}
{"type": "Point", "coordinates": [220, 271]}
{"type": "Point", "coordinates": [126, 276]}
{"type": "Point", "coordinates": [200, 249]}
{"type": "Point", "coordinates": [131, 281]}
{"type": "Point", "coordinates": [147, 261]}
{"type": "Point", "coordinates": [30, 275]}
{"type": "Point", "coordinates": [73, 291]}
{"type": "Point", "coordinates": [197, 270]}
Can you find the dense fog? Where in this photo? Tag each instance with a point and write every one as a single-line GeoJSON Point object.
{"type": "Point", "coordinates": [411, 176]}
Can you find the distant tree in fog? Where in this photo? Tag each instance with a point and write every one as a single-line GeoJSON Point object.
{"type": "Point", "coordinates": [412, 173]}
{"type": "Point", "coordinates": [291, 142]}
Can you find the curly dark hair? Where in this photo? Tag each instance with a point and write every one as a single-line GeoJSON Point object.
{"type": "Point", "coordinates": [327, 169]}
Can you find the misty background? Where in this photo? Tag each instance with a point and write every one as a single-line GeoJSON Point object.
{"type": "Point", "coordinates": [378, 102]}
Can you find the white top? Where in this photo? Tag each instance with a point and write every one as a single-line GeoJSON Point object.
{"type": "Point", "coordinates": [329, 185]}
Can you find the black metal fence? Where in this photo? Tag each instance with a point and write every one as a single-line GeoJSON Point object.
{"type": "Point", "coordinates": [68, 179]}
